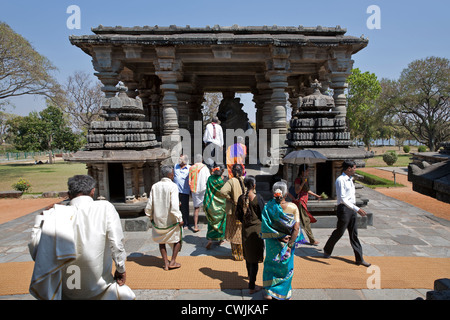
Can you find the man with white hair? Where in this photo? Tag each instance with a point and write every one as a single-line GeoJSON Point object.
{"type": "Point", "coordinates": [198, 176]}
{"type": "Point", "coordinates": [74, 246]}
{"type": "Point", "coordinates": [163, 209]}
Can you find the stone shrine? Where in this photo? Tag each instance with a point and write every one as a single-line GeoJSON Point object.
{"type": "Point", "coordinates": [122, 154]}
{"type": "Point", "coordinates": [167, 71]}
{"type": "Point", "coordinates": [316, 125]}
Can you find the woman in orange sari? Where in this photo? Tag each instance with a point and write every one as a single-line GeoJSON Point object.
{"type": "Point", "coordinates": [236, 153]}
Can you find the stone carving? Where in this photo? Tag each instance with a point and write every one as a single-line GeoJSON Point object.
{"type": "Point", "coordinates": [430, 173]}
{"type": "Point", "coordinates": [124, 128]}
{"type": "Point", "coordinates": [231, 114]}
{"type": "Point", "coordinates": [316, 101]}
{"type": "Point", "coordinates": [316, 123]}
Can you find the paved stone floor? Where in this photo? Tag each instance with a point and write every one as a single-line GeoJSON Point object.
{"type": "Point", "coordinates": [399, 229]}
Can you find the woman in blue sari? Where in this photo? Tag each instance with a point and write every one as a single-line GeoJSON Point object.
{"type": "Point", "coordinates": [281, 230]}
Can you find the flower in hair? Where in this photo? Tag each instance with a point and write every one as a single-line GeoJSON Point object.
{"type": "Point", "coordinates": [278, 193]}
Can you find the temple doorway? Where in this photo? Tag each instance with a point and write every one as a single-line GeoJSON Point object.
{"type": "Point", "coordinates": [116, 182]}
{"type": "Point", "coordinates": [324, 177]}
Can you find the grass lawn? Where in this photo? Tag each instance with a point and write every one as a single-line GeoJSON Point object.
{"type": "Point", "coordinates": [42, 177]}
{"type": "Point", "coordinates": [373, 182]}
{"type": "Point", "coordinates": [377, 161]}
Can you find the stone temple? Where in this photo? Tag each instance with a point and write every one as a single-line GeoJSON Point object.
{"type": "Point", "coordinates": [165, 72]}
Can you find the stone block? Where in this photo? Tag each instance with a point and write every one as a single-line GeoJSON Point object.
{"type": "Point", "coordinates": [136, 224]}
{"type": "Point", "coordinates": [441, 290]}
{"type": "Point", "coordinates": [442, 284]}
{"type": "Point", "coordinates": [438, 295]}
{"type": "Point", "coordinates": [10, 194]}
{"type": "Point", "coordinates": [55, 194]}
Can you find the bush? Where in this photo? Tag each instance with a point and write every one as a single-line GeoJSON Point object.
{"type": "Point", "coordinates": [422, 149]}
{"type": "Point", "coordinates": [22, 185]}
{"type": "Point", "coordinates": [406, 149]}
{"type": "Point", "coordinates": [390, 157]}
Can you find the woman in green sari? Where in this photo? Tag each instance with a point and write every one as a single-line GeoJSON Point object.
{"type": "Point", "coordinates": [214, 206]}
{"type": "Point", "coordinates": [281, 230]}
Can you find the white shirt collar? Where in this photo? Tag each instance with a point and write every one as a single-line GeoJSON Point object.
{"type": "Point", "coordinates": [80, 199]}
{"type": "Point", "coordinates": [347, 177]}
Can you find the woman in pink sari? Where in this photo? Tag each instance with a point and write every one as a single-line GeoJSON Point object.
{"type": "Point", "coordinates": [302, 191]}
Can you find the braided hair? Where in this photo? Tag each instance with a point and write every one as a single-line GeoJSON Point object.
{"type": "Point", "coordinates": [250, 183]}
{"type": "Point", "coordinates": [237, 170]}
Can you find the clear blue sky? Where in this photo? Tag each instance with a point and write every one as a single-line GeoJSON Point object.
{"type": "Point", "coordinates": [410, 30]}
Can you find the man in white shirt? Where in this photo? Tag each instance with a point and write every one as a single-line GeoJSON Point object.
{"type": "Point", "coordinates": [181, 179]}
{"type": "Point", "coordinates": [74, 246]}
{"type": "Point", "coordinates": [163, 209]}
{"type": "Point", "coordinates": [213, 139]}
{"type": "Point", "coordinates": [346, 213]}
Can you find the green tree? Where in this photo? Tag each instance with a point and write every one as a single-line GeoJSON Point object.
{"type": "Point", "coordinates": [363, 113]}
{"type": "Point", "coordinates": [56, 132]}
{"type": "Point", "coordinates": [26, 132]}
{"type": "Point", "coordinates": [44, 131]}
{"type": "Point", "coordinates": [419, 99]}
{"type": "Point", "coordinates": [22, 69]}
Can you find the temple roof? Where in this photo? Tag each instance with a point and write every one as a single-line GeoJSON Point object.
{"type": "Point", "coordinates": [235, 29]}
{"type": "Point", "coordinates": [256, 35]}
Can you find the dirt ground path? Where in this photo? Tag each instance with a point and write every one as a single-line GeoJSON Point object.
{"type": "Point", "coordinates": [11, 209]}
{"type": "Point", "coordinates": [438, 208]}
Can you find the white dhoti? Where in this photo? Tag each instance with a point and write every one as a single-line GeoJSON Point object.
{"type": "Point", "coordinates": [172, 234]}
{"type": "Point", "coordinates": [163, 209]}
{"type": "Point", "coordinates": [197, 198]}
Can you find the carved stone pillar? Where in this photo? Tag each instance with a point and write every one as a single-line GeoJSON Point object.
{"type": "Point", "coordinates": [295, 100]}
{"type": "Point", "coordinates": [340, 66]}
{"type": "Point", "coordinates": [278, 68]}
{"type": "Point", "coordinates": [108, 65]}
{"type": "Point", "coordinates": [139, 174]}
{"type": "Point", "coordinates": [167, 70]}
{"type": "Point", "coordinates": [278, 83]}
{"type": "Point", "coordinates": [144, 95]}
{"type": "Point", "coordinates": [265, 105]}
{"type": "Point", "coordinates": [259, 105]}
{"type": "Point", "coordinates": [102, 180]}
{"type": "Point", "coordinates": [184, 97]}
{"type": "Point", "coordinates": [156, 117]}
{"type": "Point", "coordinates": [128, 178]}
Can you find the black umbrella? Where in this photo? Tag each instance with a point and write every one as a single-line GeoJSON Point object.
{"type": "Point", "coordinates": [304, 157]}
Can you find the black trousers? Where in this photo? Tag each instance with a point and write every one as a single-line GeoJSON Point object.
{"type": "Point", "coordinates": [252, 270]}
{"type": "Point", "coordinates": [184, 208]}
{"type": "Point", "coordinates": [346, 221]}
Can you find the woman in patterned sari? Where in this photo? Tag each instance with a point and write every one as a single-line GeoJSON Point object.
{"type": "Point", "coordinates": [281, 230]}
{"type": "Point", "coordinates": [232, 190]}
{"type": "Point", "coordinates": [302, 191]}
{"type": "Point", "coordinates": [214, 207]}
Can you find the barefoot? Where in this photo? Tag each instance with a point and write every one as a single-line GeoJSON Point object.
{"type": "Point", "coordinates": [176, 265]}
{"type": "Point", "coordinates": [208, 245]}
